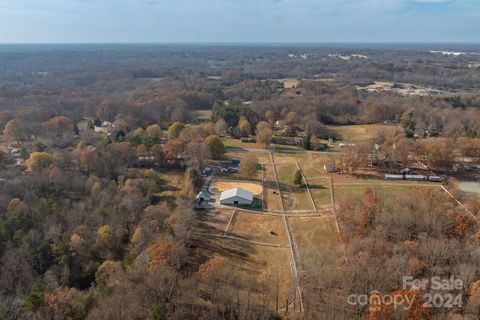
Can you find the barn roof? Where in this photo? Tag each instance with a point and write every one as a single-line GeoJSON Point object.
{"type": "Point", "coordinates": [236, 192]}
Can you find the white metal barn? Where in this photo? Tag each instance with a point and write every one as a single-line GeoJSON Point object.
{"type": "Point", "coordinates": [236, 196]}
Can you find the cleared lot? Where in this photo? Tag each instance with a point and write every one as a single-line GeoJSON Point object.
{"type": "Point", "coordinates": [317, 241]}
{"type": "Point", "coordinates": [254, 271]}
{"type": "Point", "coordinates": [261, 228]}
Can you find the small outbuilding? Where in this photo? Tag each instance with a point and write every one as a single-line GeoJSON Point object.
{"type": "Point", "coordinates": [329, 167]}
{"type": "Point", "coordinates": [236, 196]}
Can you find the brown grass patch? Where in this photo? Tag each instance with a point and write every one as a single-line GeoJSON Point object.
{"type": "Point", "coordinates": [256, 227]}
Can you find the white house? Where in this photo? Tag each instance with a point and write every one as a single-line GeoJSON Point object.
{"type": "Point", "coordinates": [237, 196]}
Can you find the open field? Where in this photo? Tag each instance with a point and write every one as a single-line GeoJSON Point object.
{"type": "Point", "coordinates": [406, 89]}
{"type": "Point", "coordinates": [214, 221]}
{"type": "Point", "coordinates": [470, 187]}
{"type": "Point", "coordinates": [237, 144]}
{"type": "Point", "coordinates": [219, 186]}
{"type": "Point", "coordinates": [313, 164]}
{"type": "Point", "coordinates": [321, 193]}
{"type": "Point", "coordinates": [348, 192]}
{"type": "Point", "coordinates": [289, 83]}
{"type": "Point", "coordinates": [289, 158]}
{"type": "Point", "coordinates": [257, 227]}
{"type": "Point", "coordinates": [232, 143]}
{"type": "Point", "coordinates": [272, 198]}
{"type": "Point", "coordinates": [202, 115]}
{"type": "Point", "coordinates": [263, 157]}
{"type": "Point", "coordinates": [256, 270]}
{"type": "Point", "coordinates": [301, 201]}
{"type": "Point", "coordinates": [230, 176]}
{"type": "Point", "coordinates": [287, 147]}
{"type": "Point", "coordinates": [363, 132]}
{"type": "Point", "coordinates": [317, 241]}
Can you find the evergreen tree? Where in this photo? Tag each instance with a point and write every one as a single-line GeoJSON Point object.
{"type": "Point", "coordinates": [307, 145]}
{"type": "Point", "coordinates": [298, 180]}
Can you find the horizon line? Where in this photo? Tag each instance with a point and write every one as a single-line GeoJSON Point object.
{"type": "Point", "coordinates": [241, 42]}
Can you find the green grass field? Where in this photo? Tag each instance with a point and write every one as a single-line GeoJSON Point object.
{"type": "Point", "coordinates": [286, 175]}
{"type": "Point", "coordinates": [321, 194]}
{"type": "Point", "coordinates": [363, 132]}
{"type": "Point", "coordinates": [385, 192]}
{"type": "Point", "coordinates": [232, 143]}
{"type": "Point", "coordinates": [313, 163]}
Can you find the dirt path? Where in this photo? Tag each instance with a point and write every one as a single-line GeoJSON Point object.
{"type": "Point", "coordinates": [232, 218]}
{"type": "Point", "coordinates": [306, 185]}
{"type": "Point", "coordinates": [336, 221]}
{"type": "Point", "coordinates": [458, 202]}
{"type": "Point", "coordinates": [276, 178]}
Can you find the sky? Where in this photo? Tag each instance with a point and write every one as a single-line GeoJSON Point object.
{"type": "Point", "coordinates": [234, 21]}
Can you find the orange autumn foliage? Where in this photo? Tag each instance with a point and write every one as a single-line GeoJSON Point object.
{"type": "Point", "coordinates": [371, 206]}
{"type": "Point", "coordinates": [165, 253]}
{"type": "Point", "coordinates": [212, 267]}
{"type": "Point", "coordinates": [385, 311]}
{"type": "Point", "coordinates": [61, 301]}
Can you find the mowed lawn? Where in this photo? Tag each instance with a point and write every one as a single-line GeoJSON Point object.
{"type": "Point", "coordinates": [384, 192]}
{"type": "Point", "coordinates": [318, 242]}
{"type": "Point", "coordinates": [301, 201]}
{"type": "Point", "coordinates": [321, 193]}
{"type": "Point", "coordinates": [313, 163]}
{"type": "Point", "coordinates": [262, 157]}
{"type": "Point", "coordinates": [363, 132]}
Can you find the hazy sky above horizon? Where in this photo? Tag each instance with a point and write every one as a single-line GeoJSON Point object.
{"type": "Point", "coordinates": [88, 21]}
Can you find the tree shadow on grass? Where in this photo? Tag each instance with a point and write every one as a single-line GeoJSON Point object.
{"type": "Point", "coordinates": [206, 248]}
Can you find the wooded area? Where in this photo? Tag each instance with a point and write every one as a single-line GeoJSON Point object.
{"type": "Point", "coordinates": [103, 152]}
